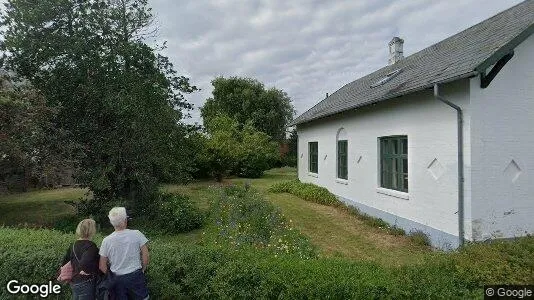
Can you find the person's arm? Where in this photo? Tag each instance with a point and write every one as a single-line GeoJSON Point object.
{"type": "Point", "coordinates": [103, 264]}
{"type": "Point", "coordinates": [103, 261]}
{"type": "Point", "coordinates": [144, 257]}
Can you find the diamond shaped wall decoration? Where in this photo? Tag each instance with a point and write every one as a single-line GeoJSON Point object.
{"type": "Point", "coordinates": [436, 169]}
{"type": "Point", "coordinates": [512, 171]}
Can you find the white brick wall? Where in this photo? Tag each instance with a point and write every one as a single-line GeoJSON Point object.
{"type": "Point", "coordinates": [502, 131]}
{"type": "Point", "coordinates": [498, 153]}
{"type": "Point", "coordinates": [431, 129]}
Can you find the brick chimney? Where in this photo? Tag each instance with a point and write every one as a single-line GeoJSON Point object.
{"type": "Point", "coordinates": [395, 50]}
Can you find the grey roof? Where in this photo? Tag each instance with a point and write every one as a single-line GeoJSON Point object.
{"type": "Point", "coordinates": [459, 56]}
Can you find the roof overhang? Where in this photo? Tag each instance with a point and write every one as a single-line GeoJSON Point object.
{"type": "Point", "coordinates": [388, 97]}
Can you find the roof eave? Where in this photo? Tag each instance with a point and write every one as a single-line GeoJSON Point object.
{"type": "Point", "coordinates": [505, 49]}
{"type": "Point", "coordinates": [403, 93]}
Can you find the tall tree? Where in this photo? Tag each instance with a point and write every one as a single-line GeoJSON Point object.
{"type": "Point", "coordinates": [31, 151]}
{"type": "Point", "coordinates": [227, 149]}
{"type": "Point", "coordinates": [247, 100]}
{"type": "Point", "coordinates": [120, 100]}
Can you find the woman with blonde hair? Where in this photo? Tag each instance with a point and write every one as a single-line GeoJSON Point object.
{"type": "Point", "coordinates": [84, 258]}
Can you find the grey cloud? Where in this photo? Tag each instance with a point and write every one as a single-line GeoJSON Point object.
{"type": "Point", "coordinates": [306, 48]}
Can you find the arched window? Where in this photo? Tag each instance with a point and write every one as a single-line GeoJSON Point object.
{"type": "Point", "coordinates": [342, 154]}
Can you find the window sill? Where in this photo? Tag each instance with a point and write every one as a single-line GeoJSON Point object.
{"type": "Point", "coordinates": [313, 174]}
{"type": "Point", "coordinates": [342, 181]}
{"type": "Point", "coordinates": [393, 193]}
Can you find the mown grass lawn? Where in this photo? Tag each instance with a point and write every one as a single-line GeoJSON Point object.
{"type": "Point", "coordinates": [38, 208]}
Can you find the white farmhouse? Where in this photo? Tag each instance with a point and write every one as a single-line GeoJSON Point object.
{"type": "Point", "coordinates": [441, 141]}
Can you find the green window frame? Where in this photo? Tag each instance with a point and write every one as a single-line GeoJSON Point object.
{"type": "Point", "coordinates": [342, 159]}
{"type": "Point", "coordinates": [394, 163]}
{"type": "Point", "coordinates": [313, 161]}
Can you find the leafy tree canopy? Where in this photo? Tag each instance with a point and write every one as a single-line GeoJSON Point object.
{"type": "Point", "coordinates": [119, 100]}
{"type": "Point", "coordinates": [226, 149]}
{"type": "Point", "coordinates": [247, 100]}
{"type": "Point", "coordinates": [31, 152]}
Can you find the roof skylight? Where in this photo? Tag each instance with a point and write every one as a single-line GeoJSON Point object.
{"type": "Point", "coordinates": [388, 77]}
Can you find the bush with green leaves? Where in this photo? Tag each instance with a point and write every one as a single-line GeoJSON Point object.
{"type": "Point", "coordinates": [241, 217]}
{"type": "Point", "coordinates": [256, 153]}
{"type": "Point", "coordinates": [419, 238]}
{"type": "Point", "coordinates": [178, 214]}
{"type": "Point", "coordinates": [229, 149]}
{"type": "Point", "coordinates": [306, 191]}
{"type": "Point", "coordinates": [179, 270]}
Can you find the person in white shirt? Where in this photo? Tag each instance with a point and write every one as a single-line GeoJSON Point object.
{"type": "Point", "coordinates": [126, 252]}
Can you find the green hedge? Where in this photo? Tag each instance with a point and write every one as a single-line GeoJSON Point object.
{"type": "Point", "coordinates": [208, 272]}
{"type": "Point", "coordinates": [306, 191]}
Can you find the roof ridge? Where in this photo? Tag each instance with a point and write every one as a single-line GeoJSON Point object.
{"type": "Point", "coordinates": [474, 41]}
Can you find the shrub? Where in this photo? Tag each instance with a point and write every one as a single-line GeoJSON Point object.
{"type": "Point", "coordinates": [168, 214]}
{"type": "Point", "coordinates": [306, 191]}
{"type": "Point", "coordinates": [178, 214]}
{"type": "Point", "coordinates": [32, 256]}
{"type": "Point", "coordinates": [257, 153]}
{"type": "Point", "coordinates": [180, 271]}
{"type": "Point", "coordinates": [419, 238]}
{"type": "Point", "coordinates": [240, 217]}
{"type": "Point", "coordinates": [228, 148]}
{"type": "Point", "coordinates": [67, 224]}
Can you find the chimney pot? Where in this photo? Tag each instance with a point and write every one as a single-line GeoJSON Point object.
{"type": "Point", "coordinates": [395, 50]}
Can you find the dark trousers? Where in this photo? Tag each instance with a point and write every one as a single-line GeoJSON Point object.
{"type": "Point", "coordinates": [130, 286]}
{"type": "Point", "coordinates": [84, 290]}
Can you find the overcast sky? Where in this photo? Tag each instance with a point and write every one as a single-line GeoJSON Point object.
{"type": "Point", "coordinates": [306, 48]}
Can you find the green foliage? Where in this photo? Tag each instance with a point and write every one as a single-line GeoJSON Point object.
{"type": "Point", "coordinates": [313, 193]}
{"type": "Point", "coordinates": [207, 272]}
{"type": "Point", "coordinates": [306, 191]}
{"type": "Point", "coordinates": [419, 238]}
{"type": "Point", "coordinates": [220, 153]}
{"type": "Point", "coordinates": [31, 154]}
{"type": "Point", "coordinates": [31, 256]}
{"type": "Point", "coordinates": [241, 217]}
{"type": "Point", "coordinates": [502, 261]}
{"type": "Point", "coordinates": [177, 214]}
{"type": "Point", "coordinates": [256, 153]}
{"type": "Point", "coordinates": [246, 100]}
{"type": "Point", "coordinates": [119, 100]}
{"type": "Point", "coordinates": [229, 150]}
{"type": "Point", "coordinates": [290, 159]}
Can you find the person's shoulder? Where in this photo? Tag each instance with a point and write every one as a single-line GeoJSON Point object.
{"type": "Point", "coordinates": [140, 236]}
{"type": "Point", "coordinates": [134, 232]}
{"type": "Point", "coordinates": [107, 238]}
